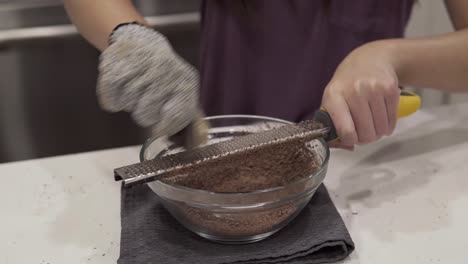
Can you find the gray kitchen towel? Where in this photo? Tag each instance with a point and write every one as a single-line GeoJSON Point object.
{"type": "Point", "coordinates": [151, 235]}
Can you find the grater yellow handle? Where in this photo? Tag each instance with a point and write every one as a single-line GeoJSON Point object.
{"type": "Point", "coordinates": [409, 104]}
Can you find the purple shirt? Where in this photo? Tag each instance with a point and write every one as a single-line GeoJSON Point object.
{"type": "Point", "coordinates": [275, 57]}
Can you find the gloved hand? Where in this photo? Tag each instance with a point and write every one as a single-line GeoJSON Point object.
{"type": "Point", "coordinates": [140, 73]}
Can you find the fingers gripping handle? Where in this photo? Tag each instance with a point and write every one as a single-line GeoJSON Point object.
{"type": "Point", "coordinates": [409, 104]}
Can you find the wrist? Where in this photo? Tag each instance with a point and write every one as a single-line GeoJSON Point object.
{"type": "Point", "coordinates": [123, 29]}
{"type": "Point", "coordinates": [393, 51]}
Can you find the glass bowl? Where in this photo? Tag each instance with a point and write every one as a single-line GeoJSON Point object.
{"type": "Point", "coordinates": [236, 217]}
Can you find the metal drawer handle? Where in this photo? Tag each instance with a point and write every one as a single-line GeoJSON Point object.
{"type": "Point", "coordinates": [12, 36]}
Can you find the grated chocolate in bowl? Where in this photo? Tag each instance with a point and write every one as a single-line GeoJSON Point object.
{"type": "Point", "coordinates": [276, 166]}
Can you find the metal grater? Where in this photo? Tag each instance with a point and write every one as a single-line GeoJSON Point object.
{"type": "Point", "coordinates": [166, 166]}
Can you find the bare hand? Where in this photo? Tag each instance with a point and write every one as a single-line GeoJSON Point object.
{"type": "Point", "coordinates": [362, 97]}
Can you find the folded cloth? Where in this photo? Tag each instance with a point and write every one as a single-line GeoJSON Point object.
{"type": "Point", "coordinates": [151, 235]}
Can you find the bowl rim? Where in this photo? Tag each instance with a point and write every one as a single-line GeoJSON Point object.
{"type": "Point", "coordinates": [320, 169]}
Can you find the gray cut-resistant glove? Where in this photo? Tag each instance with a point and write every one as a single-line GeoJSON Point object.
{"type": "Point", "coordinates": [140, 73]}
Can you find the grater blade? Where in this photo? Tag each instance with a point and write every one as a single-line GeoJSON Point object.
{"type": "Point", "coordinates": [167, 166]}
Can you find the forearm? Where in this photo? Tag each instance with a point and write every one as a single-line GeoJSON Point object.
{"type": "Point", "coordinates": [95, 19]}
{"type": "Point", "coordinates": [439, 62]}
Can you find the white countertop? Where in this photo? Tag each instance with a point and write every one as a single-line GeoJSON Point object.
{"type": "Point", "coordinates": [404, 199]}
